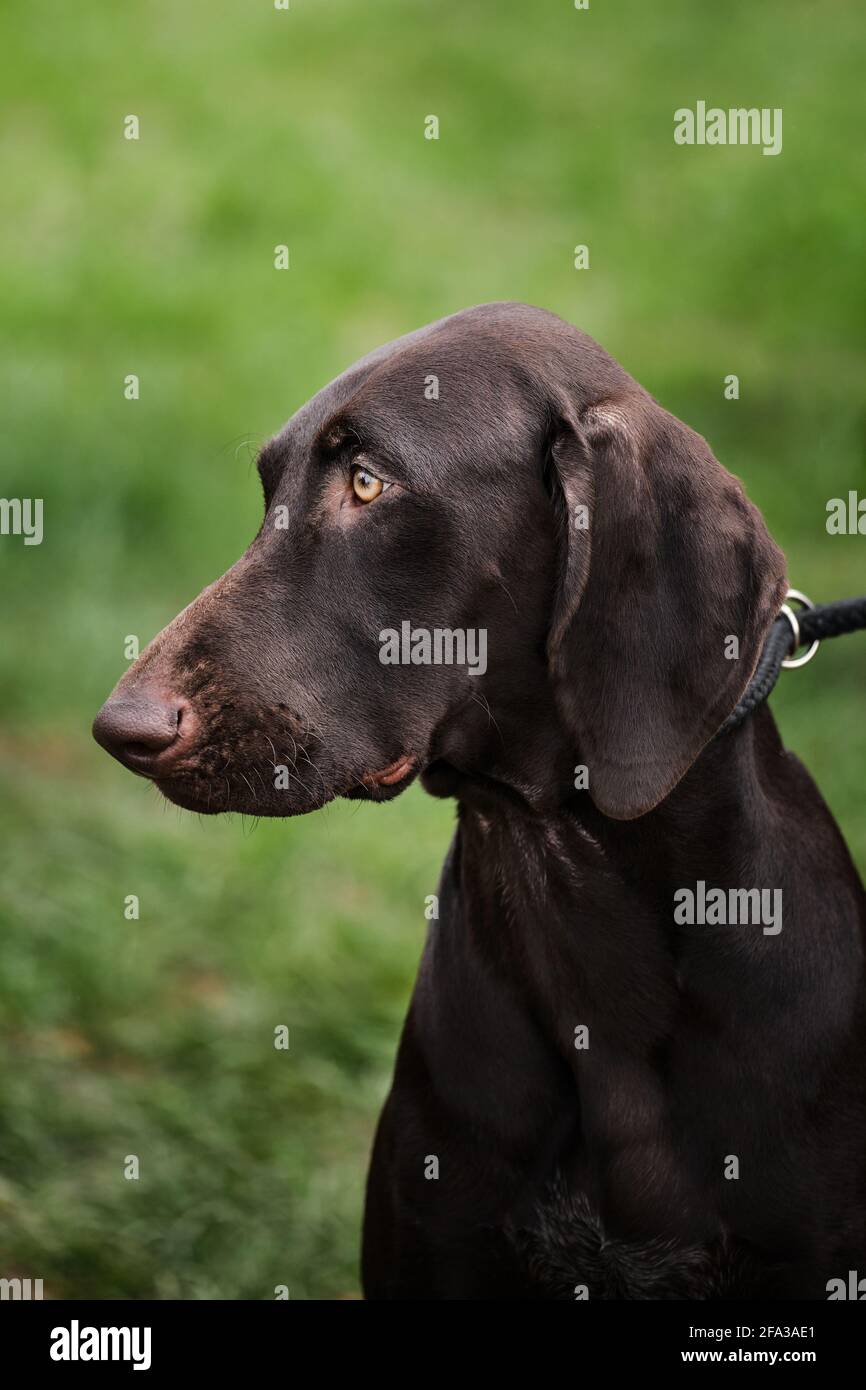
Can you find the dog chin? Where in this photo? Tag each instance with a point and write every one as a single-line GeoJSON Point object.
{"type": "Point", "coordinates": [179, 796]}
{"type": "Point", "coordinates": [213, 798]}
{"type": "Point", "coordinates": [218, 800]}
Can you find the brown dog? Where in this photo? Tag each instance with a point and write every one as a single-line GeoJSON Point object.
{"type": "Point", "coordinates": [596, 1094]}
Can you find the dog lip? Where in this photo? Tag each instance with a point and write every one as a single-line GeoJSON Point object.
{"type": "Point", "coordinates": [142, 764]}
{"type": "Point", "coordinates": [155, 767]}
{"type": "Point", "coordinates": [392, 774]}
{"type": "Point", "coordinates": [163, 763]}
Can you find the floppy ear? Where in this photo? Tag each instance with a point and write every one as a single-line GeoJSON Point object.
{"type": "Point", "coordinates": [669, 583]}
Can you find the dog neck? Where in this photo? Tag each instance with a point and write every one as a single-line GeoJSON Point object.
{"type": "Point", "coordinates": [558, 949]}
{"type": "Point", "coordinates": [552, 867]}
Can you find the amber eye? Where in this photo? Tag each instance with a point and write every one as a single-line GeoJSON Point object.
{"type": "Point", "coordinates": [366, 486]}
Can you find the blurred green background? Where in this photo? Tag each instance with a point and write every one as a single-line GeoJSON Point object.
{"type": "Point", "coordinates": [155, 257]}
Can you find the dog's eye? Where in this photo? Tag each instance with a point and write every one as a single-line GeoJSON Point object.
{"type": "Point", "coordinates": [366, 486]}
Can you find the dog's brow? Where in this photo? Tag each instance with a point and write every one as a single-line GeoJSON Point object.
{"type": "Point", "coordinates": [335, 439]}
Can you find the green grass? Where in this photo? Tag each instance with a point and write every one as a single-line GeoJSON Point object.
{"type": "Point", "coordinates": [155, 1037]}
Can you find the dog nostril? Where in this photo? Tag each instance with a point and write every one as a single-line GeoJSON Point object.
{"type": "Point", "coordinates": [136, 728]}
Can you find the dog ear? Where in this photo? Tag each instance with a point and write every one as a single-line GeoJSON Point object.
{"type": "Point", "coordinates": [668, 585]}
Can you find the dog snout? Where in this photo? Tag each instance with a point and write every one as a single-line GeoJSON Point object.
{"type": "Point", "coordinates": [145, 731]}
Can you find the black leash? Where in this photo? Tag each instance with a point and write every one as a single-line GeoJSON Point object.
{"type": "Point", "coordinates": [790, 631]}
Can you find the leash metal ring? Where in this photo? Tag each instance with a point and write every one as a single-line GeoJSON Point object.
{"type": "Point", "coordinates": [793, 662]}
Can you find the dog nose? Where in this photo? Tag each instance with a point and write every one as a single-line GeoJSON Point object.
{"type": "Point", "coordinates": [140, 730]}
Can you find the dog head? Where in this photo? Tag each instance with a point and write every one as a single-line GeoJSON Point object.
{"type": "Point", "coordinates": [482, 535]}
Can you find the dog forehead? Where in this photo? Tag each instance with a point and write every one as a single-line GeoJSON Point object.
{"type": "Point", "coordinates": [456, 388]}
{"type": "Point", "coordinates": [445, 400]}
